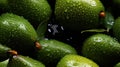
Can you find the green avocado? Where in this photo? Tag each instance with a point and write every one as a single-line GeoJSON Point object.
{"type": "Point", "coordinates": [78, 15]}
{"type": "Point", "coordinates": [17, 33]}
{"type": "Point", "coordinates": [103, 49]}
{"type": "Point", "coordinates": [76, 61]}
{"type": "Point", "coordinates": [36, 11]}
{"type": "Point", "coordinates": [117, 64]}
{"type": "Point", "coordinates": [4, 63]}
{"type": "Point", "coordinates": [23, 61]}
{"type": "Point", "coordinates": [4, 52]}
{"type": "Point", "coordinates": [52, 51]}
{"type": "Point", "coordinates": [116, 29]}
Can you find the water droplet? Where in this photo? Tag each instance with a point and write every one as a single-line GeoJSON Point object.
{"type": "Point", "coordinates": [68, 1]}
{"type": "Point", "coordinates": [66, 10]}
{"type": "Point", "coordinates": [67, 17]}
{"type": "Point", "coordinates": [74, 4]}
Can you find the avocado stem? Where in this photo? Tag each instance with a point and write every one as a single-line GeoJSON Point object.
{"type": "Point", "coordinates": [102, 14]}
{"type": "Point", "coordinates": [13, 52]}
{"type": "Point", "coordinates": [37, 45]}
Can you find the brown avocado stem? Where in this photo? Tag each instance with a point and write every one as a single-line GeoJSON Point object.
{"type": "Point", "coordinates": [13, 52]}
{"type": "Point", "coordinates": [102, 14]}
{"type": "Point", "coordinates": [37, 45]}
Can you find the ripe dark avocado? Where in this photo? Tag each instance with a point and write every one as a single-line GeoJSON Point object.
{"type": "Point", "coordinates": [52, 51]}
{"type": "Point", "coordinates": [17, 33]}
{"type": "Point", "coordinates": [4, 52]}
{"type": "Point", "coordinates": [103, 49]}
{"type": "Point", "coordinates": [78, 15]}
{"type": "Point", "coordinates": [35, 11]}
{"type": "Point", "coordinates": [23, 61]}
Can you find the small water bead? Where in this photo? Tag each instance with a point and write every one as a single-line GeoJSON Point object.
{"type": "Point", "coordinates": [67, 17]}
{"type": "Point", "coordinates": [68, 1]}
{"type": "Point", "coordinates": [66, 10]}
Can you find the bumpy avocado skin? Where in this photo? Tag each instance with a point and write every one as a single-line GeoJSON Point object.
{"type": "Point", "coordinates": [52, 51]}
{"type": "Point", "coordinates": [116, 29]}
{"type": "Point", "coordinates": [78, 15]}
{"type": "Point", "coordinates": [24, 61]}
{"type": "Point", "coordinates": [35, 11]}
{"type": "Point", "coordinates": [103, 49]}
{"type": "Point", "coordinates": [17, 33]}
{"type": "Point", "coordinates": [76, 61]}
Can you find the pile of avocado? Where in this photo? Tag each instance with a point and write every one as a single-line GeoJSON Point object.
{"type": "Point", "coordinates": [59, 33]}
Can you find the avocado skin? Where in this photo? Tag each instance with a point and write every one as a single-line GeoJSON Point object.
{"type": "Point", "coordinates": [17, 33]}
{"type": "Point", "coordinates": [4, 63]}
{"type": "Point", "coordinates": [78, 15]}
{"type": "Point", "coordinates": [24, 61]}
{"type": "Point", "coordinates": [4, 52]}
{"type": "Point", "coordinates": [76, 61]}
{"type": "Point", "coordinates": [117, 64]}
{"type": "Point", "coordinates": [52, 51]}
{"type": "Point", "coordinates": [36, 11]}
{"type": "Point", "coordinates": [116, 29]}
{"type": "Point", "coordinates": [102, 49]}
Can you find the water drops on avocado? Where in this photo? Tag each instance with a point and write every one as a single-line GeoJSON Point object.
{"type": "Point", "coordinates": [36, 11]}
{"type": "Point", "coordinates": [24, 61]}
{"type": "Point", "coordinates": [52, 51]}
{"type": "Point", "coordinates": [80, 14]}
{"type": "Point", "coordinates": [103, 49]}
{"type": "Point", "coordinates": [76, 61]}
{"type": "Point", "coordinates": [17, 33]}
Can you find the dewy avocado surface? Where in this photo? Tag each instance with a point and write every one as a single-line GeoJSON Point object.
{"type": "Point", "coordinates": [78, 15]}
{"type": "Point", "coordinates": [71, 22]}
{"type": "Point", "coordinates": [36, 11]}
{"type": "Point", "coordinates": [102, 49]}
{"type": "Point", "coordinates": [17, 33]}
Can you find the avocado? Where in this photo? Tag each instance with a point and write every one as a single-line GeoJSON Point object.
{"type": "Point", "coordinates": [4, 52]}
{"type": "Point", "coordinates": [117, 64]}
{"type": "Point", "coordinates": [23, 61]}
{"type": "Point", "coordinates": [76, 61]}
{"type": "Point", "coordinates": [35, 11]}
{"type": "Point", "coordinates": [52, 51]}
{"type": "Point", "coordinates": [4, 63]}
{"type": "Point", "coordinates": [115, 29]}
{"type": "Point", "coordinates": [77, 15]}
{"type": "Point", "coordinates": [103, 49]}
{"type": "Point", "coordinates": [17, 33]}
